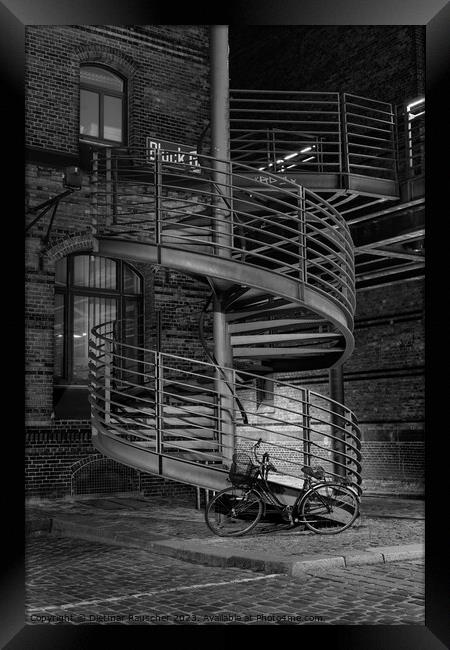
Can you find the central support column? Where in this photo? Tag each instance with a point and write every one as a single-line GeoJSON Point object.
{"type": "Point", "coordinates": [222, 222]}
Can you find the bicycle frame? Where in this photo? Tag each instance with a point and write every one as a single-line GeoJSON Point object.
{"type": "Point", "coordinates": [267, 495]}
{"type": "Point", "coordinates": [323, 506]}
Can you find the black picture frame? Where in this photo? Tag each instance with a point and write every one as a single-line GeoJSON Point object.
{"type": "Point", "coordinates": [15, 15]}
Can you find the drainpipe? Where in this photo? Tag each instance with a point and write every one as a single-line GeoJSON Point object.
{"type": "Point", "coordinates": [336, 388]}
{"type": "Point", "coordinates": [223, 220]}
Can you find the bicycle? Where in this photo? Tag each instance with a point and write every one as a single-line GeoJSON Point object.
{"type": "Point", "coordinates": [324, 506]}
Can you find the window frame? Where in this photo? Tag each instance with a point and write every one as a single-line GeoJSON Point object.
{"type": "Point", "coordinates": [70, 290]}
{"type": "Point", "coordinates": [101, 92]}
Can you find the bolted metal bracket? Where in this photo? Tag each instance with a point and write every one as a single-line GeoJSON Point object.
{"type": "Point", "coordinates": [72, 180]}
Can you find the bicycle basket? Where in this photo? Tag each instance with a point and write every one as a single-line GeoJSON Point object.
{"type": "Point", "coordinates": [243, 471]}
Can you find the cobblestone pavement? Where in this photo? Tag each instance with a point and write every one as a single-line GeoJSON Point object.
{"type": "Point", "coordinates": [78, 582]}
{"type": "Point", "coordinates": [149, 520]}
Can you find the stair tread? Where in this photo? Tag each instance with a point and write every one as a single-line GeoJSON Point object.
{"type": "Point", "coordinates": [245, 311]}
{"type": "Point", "coordinates": [188, 409]}
{"type": "Point", "coordinates": [282, 352]}
{"type": "Point", "coordinates": [214, 458]}
{"type": "Point", "coordinates": [270, 338]}
{"type": "Point", "coordinates": [267, 324]}
{"type": "Point", "coordinates": [199, 433]}
{"type": "Point", "coordinates": [212, 445]}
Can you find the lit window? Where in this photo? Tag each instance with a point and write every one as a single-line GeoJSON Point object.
{"type": "Point", "coordinates": [102, 105]}
{"type": "Point", "coordinates": [91, 290]}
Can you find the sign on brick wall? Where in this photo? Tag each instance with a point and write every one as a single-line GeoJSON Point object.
{"type": "Point", "coordinates": [172, 152]}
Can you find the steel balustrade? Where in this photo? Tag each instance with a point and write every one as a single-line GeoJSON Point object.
{"type": "Point", "coordinates": [282, 255]}
{"type": "Point", "coordinates": [170, 416]}
{"type": "Point", "coordinates": [276, 225]}
{"type": "Point", "coordinates": [171, 407]}
{"type": "Point", "coordinates": [320, 132]}
{"type": "Point", "coordinates": [411, 139]}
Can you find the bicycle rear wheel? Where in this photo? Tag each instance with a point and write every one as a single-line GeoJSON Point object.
{"type": "Point", "coordinates": [329, 508]}
{"type": "Point", "coordinates": [233, 512]}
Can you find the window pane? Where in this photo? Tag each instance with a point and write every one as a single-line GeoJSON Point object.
{"type": "Point", "coordinates": [91, 271]}
{"type": "Point", "coordinates": [89, 104]}
{"type": "Point", "coordinates": [81, 270]}
{"type": "Point", "coordinates": [100, 78]}
{"type": "Point", "coordinates": [102, 273]}
{"type": "Point", "coordinates": [80, 337]}
{"type": "Point", "coordinates": [112, 118]}
{"type": "Point", "coordinates": [58, 341]}
{"type": "Point", "coordinates": [131, 282]}
{"type": "Point", "coordinates": [131, 368]}
{"type": "Point", "coordinates": [88, 312]}
{"type": "Point", "coordinates": [61, 272]}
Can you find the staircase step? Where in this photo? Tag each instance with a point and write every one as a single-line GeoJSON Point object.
{"type": "Point", "coordinates": [252, 326]}
{"type": "Point", "coordinates": [146, 444]}
{"type": "Point", "coordinates": [203, 457]}
{"type": "Point", "coordinates": [249, 297]}
{"type": "Point", "coordinates": [193, 432]}
{"type": "Point", "coordinates": [197, 391]}
{"type": "Point", "coordinates": [274, 338]}
{"type": "Point", "coordinates": [187, 231]}
{"type": "Point", "coordinates": [187, 409]}
{"type": "Point", "coordinates": [188, 421]}
{"type": "Point", "coordinates": [172, 421]}
{"type": "Point", "coordinates": [210, 445]}
{"type": "Point", "coordinates": [242, 310]}
{"type": "Point", "coordinates": [274, 353]}
{"type": "Point", "coordinates": [136, 411]}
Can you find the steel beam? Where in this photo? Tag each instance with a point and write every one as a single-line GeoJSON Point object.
{"type": "Point", "coordinates": [223, 228]}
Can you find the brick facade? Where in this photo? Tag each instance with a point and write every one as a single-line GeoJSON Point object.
{"type": "Point", "coordinates": [166, 69]}
{"type": "Point", "coordinates": [384, 377]}
{"type": "Point", "coordinates": [384, 384]}
{"type": "Point", "coordinates": [167, 77]}
{"type": "Point", "coordinates": [381, 62]}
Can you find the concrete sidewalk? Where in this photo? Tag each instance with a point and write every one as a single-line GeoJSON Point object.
{"type": "Point", "coordinates": [388, 529]}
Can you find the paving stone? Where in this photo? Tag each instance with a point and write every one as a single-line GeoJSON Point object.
{"type": "Point", "coordinates": [80, 578]}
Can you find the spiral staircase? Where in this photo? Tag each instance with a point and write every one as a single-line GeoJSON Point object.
{"type": "Point", "coordinates": [267, 234]}
{"type": "Point", "coordinates": [280, 260]}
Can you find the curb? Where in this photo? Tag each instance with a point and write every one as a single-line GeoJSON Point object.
{"type": "Point", "coordinates": [223, 557]}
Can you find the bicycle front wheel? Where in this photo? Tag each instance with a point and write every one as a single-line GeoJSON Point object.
{"type": "Point", "coordinates": [233, 512]}
{"type": "Point", "coordinates": [329, 508]}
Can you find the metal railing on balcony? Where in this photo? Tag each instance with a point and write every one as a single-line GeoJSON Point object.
{"type": "Point", "coordinates": [171, 405]}
{"type": "Point", "coordinates": [316, 132]}
{"type": "Point", "coordinates": [411, 139]}
{"type": "Point", "coordinates": [262, 221]}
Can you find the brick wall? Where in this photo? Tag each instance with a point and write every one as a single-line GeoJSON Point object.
{"type": "Point", "coordinates": [331, 58]}
{"type": "Point", "coordinates": [384, 384]}
{"type": "Point", "coordinates": [53, 454]}
{"type": "Point", "coordinates": [166, 69]}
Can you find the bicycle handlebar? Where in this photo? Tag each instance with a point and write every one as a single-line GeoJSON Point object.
{"type": "Point", "coordinates": [264, 463]}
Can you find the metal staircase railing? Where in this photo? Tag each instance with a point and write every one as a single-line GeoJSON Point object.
{"type": "Point", "coordinates": [273, 224]}
{"type": "Point", "coordinates": [410, 120]}
{"type": "Point", "coordinates": [283, 257]}
{"type": "Point", "coordinates": [317, 132]}
{"type": "Point", "coordinates": [170, 405]}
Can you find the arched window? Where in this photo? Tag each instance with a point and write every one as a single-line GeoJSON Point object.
{"type": "Point", "coordinates": [102, 105]}
{"type": "Point", "coordinates": [89, 290]}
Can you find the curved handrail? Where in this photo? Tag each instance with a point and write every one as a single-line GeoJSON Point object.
{"type": "Point", "coordinates": [149, 398]}
{"type": "Point", "coordinates": [263, 221]}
